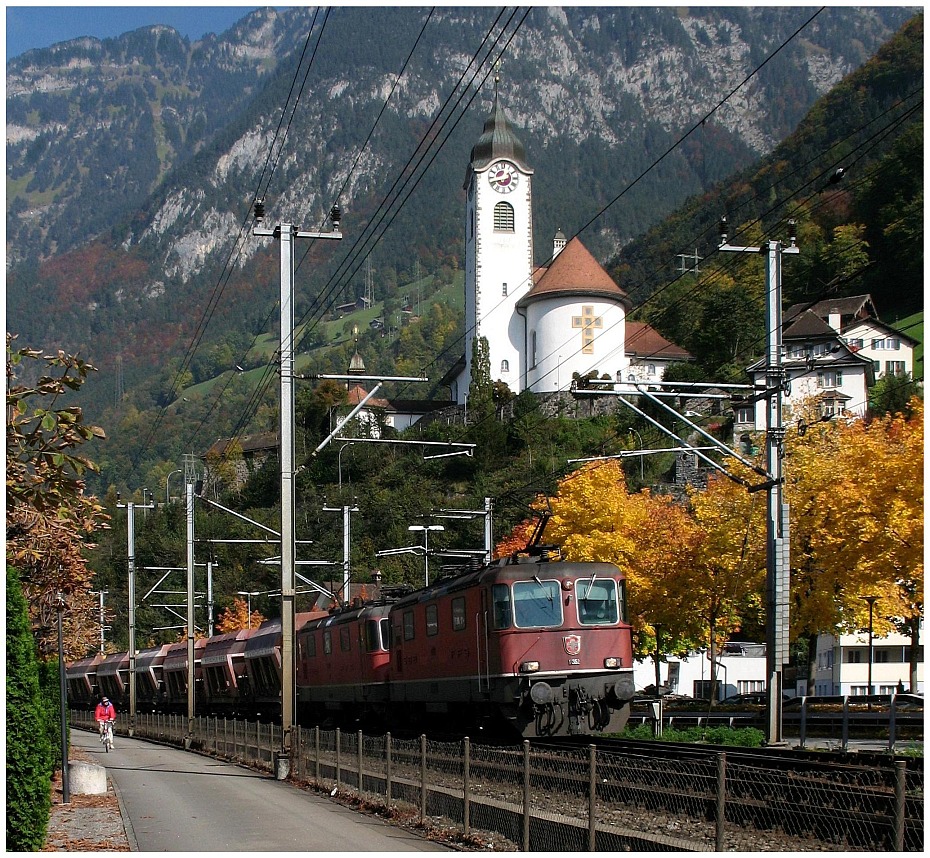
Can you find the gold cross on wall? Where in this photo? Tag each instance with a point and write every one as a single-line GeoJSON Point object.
{"type": "Point", "coordinates": [588, 322]}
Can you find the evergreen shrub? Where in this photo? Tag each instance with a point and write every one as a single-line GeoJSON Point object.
{"type": "Point", "coordinates": [28, 750]}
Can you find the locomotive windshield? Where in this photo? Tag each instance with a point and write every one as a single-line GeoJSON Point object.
{"type": "Point", "coordinates": [597, 601]}
{"type": "Point", "coordinates": [537, 604]}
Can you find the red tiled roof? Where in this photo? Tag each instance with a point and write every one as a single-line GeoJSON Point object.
{"type": "Point", "coordinates": [574, 272]}
{"type": "Point", "coordinates": [644, 340]}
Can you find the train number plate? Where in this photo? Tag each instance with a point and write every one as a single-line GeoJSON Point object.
{"type": "Point", "coordinates": [574, 661]}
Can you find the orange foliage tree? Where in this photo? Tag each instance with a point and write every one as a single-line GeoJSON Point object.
{"type": "Point", "coordinates": [236, 617]}
{"type": "Point", "coordinates": [856, 493]}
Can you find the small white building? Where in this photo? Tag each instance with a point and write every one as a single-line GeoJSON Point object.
{"type": "Point", "coordinates": [740, 670]}
{"type": "Point", "coordinates": [843, 664]}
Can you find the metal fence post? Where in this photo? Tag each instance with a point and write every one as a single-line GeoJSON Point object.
{"type": "Point", "coordinates": [592, 797]}
{"type": "Point", "coordinates": [338, 757]}
{"type": "Point", "coordinates": [526, 795]}
{"type": "Point", "coordinates": [387, 771]}
{"type": "Point", "coordinates": [466, 787]}
{"type": "Point", "coordinates": [803, 737]}
{"type": "Point", "coordinates": [900, 784]}
{"type": "Point", "coordinates": [422, 777]}
{"type": "Point", "coordinates": [845, 722]}
{"type": "Point", "coordinates": [721, 814]}
{"type": "Point", "coordinates": [360, 743]}
{"type": "Point", "coordinates": [316, 752]}
{"type": "Point", "coordinates": [891, 718]}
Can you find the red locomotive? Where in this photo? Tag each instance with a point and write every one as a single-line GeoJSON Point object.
{"type": "Point", "coordinates": [544, 647]}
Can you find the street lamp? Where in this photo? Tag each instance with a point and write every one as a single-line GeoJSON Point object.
{"type": "Point", "coordinates": [167, 496]}
{"type": "Point", "coordinates": [63, 708]}
{"type": "Point", "coordinates": [871, 600]}
{"type": "Point", "coordinates": [339, 459]}
{"type": "Point", "coordinates": [248, 594]}
{"type": "Point", "coordinates": [632, 431]}
{"type": "Point", "coordinates": [426, 528]}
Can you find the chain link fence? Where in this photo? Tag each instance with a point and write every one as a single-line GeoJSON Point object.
{"type": "Point", "coordinates": [547, 799]}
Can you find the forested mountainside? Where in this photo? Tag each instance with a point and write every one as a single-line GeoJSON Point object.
{"type": "Point", "coordinates": [133, 164]}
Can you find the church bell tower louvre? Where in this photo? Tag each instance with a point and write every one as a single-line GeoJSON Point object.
{"type": "Point", "coordinates": [498, 250]}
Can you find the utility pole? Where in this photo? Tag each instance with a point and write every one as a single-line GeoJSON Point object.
{"type": "Point", "coordinates": [346, 544]}
{"type": "Point", "coordinates": [285, 234]}
{"type": "Point", "coordinates": [777, 558]}
{"type": "Point", "coordinates": [131, 558]}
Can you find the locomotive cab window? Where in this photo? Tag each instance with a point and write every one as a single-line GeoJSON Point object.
{"type": "Point", "coordinates": [345, 641]}
{"type": "Point", "coordinates": [537, 604]}
{"type": "Point", "coordinates": [597, 601]}
{"type": "Point", "coordinates": [376, 635]}
{"type": "Point", "coordinates": [502, 606]}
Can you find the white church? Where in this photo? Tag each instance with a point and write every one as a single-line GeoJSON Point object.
{"type": "Point", "coordinates": [543, 324]}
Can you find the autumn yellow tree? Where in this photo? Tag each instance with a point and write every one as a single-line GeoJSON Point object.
{"type": "Point", "coordinates": [856, 493]}
{"type": "Point", "coordinates": [236, 617]}
{"type": "Point", "coordinates": [725, 583]}
{"type": "Point", "coordinates": [595, 518]}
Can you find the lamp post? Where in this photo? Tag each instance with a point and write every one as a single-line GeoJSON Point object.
{"type": "Point", "coordinates": [426, 528]}
{"type": "Point", "coordinates": [632, 431]}
{"type": "Point", "coordinates": [339, 460]}
{"type": "Point", "coordinates": [167, 496]}
{"type": "Point", "coordinates": [63, 708]}
{"type": "Point", "coordinates": [871, 600]}
{"type": "Point", "coordinates": [248, 594]}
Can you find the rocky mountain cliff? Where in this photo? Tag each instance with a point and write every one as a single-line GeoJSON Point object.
{"type": "Point", "coordinates": [132, 163]}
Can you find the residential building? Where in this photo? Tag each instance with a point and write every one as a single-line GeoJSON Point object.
{"type": "Point", "coordinates": [834, 351]}
{"type": "Point", "coordinates": [843, 664]}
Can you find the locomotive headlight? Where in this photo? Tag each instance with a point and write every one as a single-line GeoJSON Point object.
{"type": "Point", "coordinates": [529, 667]}
{"type": "Point", "coordinates": [613, 662]}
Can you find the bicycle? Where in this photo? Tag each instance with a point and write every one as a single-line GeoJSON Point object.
{"type": "Point", "coordinates": [106, 735]}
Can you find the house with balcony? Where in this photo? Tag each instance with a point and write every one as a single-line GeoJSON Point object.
{"type": "Point", "coordinates": [843, 664]}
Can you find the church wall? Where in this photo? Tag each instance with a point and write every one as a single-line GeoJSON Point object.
{"type": "Point", "coordinates": [561, 327]}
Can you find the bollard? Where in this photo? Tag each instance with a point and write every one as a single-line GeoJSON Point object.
{"type": "Point", "coordinates": [87, 778]}
{"type": "Point", "coordinates": [900, 784]}
{"type": "Point", "coordinates": [360, 746]}
{"type": "Point", "coordinates": [316, 752]}
{"type": "Point", "coordinates": [338, 758]}
{"type": "Point", "coordinates": [526, 795]}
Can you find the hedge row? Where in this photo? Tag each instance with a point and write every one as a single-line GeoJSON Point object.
{"type": "Point", "coordinates": [31, 716]}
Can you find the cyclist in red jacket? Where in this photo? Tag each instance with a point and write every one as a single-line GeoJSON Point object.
{"type": "Point", "coordinates": [104, 712]}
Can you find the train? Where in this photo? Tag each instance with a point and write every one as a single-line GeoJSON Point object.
{"type": "Point", "coordinates": [529, 645]}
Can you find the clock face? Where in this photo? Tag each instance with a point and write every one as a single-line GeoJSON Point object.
{"type": "Point", "coordinates": [503, 177]}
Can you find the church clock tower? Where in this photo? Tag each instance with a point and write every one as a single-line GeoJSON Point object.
{"type": "Point", "coordinates": [498, 250]}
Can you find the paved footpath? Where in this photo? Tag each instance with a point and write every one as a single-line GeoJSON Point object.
{"type": "Point", "coordinates": [173, 800]}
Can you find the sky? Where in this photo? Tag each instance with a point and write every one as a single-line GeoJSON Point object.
{"type": "Point", "coordinates": [32, 25]}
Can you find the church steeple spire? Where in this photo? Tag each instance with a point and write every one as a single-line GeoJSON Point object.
{"type": "Point", "coordinates": [498, 139]}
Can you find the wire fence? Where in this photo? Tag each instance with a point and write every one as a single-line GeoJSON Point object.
{"type": "Point", "coordinates": [547, 799]}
